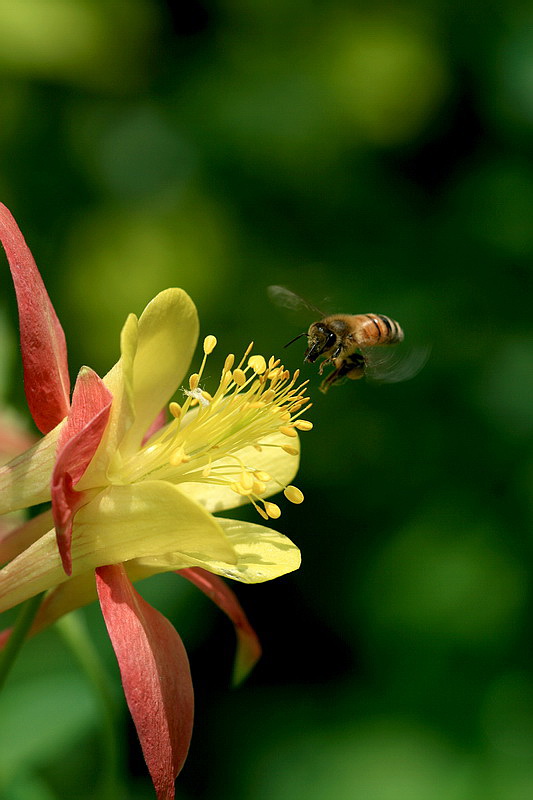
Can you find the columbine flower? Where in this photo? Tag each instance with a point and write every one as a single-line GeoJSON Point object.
{"type": "Point", "coordinates": [131, 496]}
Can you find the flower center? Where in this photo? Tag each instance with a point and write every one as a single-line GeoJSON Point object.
{"type": "Point", "coordinates": [204, 440]}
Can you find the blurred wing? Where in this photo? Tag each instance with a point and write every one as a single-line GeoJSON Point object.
{"type": "Point", "coordinates": [394, 363]}
{"type": "Point", "coordinates": [283, 297]}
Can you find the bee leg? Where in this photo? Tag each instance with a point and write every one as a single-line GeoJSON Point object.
{"type": "Point", "coordinates": [324, 364]}
{"type": "Point", "coordinates": [352, 368]}
{"type": "Point", "coordinates": [334, 378]}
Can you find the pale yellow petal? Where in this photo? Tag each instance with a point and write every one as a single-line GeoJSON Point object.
{"type": "Point", "coordinates": [119, 524]}
{"type": "Point", "coordinates": [262, 554]}
{"type": "Point", "coordinates": [168, 332]}
{"type": "Point", "coordinates": [271, 459]}
{"type": "Point", "coordinates": [156, 351]}
{"type": "Point", "coordinates": [25, 481]}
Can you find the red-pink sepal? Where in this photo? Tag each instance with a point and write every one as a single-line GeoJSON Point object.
{"type": "Point", "coordinates": [248, 646]}
{"type": "Point", "coordinates": [42, 341]}
{"type": "Point", "coordinates": [155, 675]}
{"type": "Point", "coordinates": [78, 441]}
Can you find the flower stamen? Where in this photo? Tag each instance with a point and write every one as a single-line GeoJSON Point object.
{"type": "Point", "coordinates": [206, 435]}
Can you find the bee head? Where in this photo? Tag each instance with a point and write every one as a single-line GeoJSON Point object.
{"type": "Point", "coordinates": [320, 339]}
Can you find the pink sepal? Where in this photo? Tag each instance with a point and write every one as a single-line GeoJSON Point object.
{"type": "Point", "coordinates": [155, 676]}
{"type": "Point", "coordinates": [42, 341]}
{"type": "Point", "coordinates": [248, 646]}
{"type": "Point", "coordinates": [78, 441]}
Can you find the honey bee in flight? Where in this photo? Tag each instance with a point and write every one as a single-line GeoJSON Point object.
{"type": "Point", "coordinates": [349, 342]}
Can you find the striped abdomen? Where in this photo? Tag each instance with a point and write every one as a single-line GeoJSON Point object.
{"type": "Point", "coordinates": [374, 329]}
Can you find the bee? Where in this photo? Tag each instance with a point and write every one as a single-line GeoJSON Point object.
{"type": "Point", "coordinates": [349, 342]}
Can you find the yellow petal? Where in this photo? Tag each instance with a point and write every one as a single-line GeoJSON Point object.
{"type": "Point", "coordinates": [156, 351]}
{"type": "Point", "coordinates": [272, 460]}
{"type": "Point", "coordinates": [25, 481]}
{"type": "Point", "coordinates": [168, 332]}
{"type": "Point", "coordinates": [262, 554]}
{"type": "Point", "coordinates": [119, 524]}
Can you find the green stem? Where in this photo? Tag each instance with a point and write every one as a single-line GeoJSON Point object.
{"type": "Point", "coordinates": [74, 633]}
{"type": "Point", "coordinates": [18, 635]}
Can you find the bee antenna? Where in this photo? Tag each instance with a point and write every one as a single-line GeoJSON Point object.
{"type": "Point", "coordinates": [295, 338]}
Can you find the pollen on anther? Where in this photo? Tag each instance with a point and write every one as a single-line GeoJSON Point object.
{"type": "Point", "coordinates": [287, 431]}
{"type": "Point", "coordinates": [228, 363]}
{"type": "Point", "coordinates": [303, 425]}
{"type": "Point", "coordinates": [194, 380]}
{"type": "Point", "coordinates": [292, 451]}
{"type": "Point", "coordinates": [247, 480]}
{"type": "Point", "coordinates": [258, 364]}
{"type": "Point", "coordinates": [293, 494]}
{"type": "Point", "coordinates": [210, 342]}
{"type": "Point", "coordinates": [239, 377]}
{"type": "Point", "coordinates": [175, 409]}
{"type": "Point", "coordinates": [272, 510]}
{"type": "Point", "coordinates": [262, 476]}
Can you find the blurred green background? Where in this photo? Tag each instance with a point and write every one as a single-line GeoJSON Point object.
{"type": "Point", "coordinates": [371, 156]}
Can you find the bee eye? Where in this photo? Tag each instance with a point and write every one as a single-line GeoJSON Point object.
{"type": "Point", "coordinates": [331, 338]}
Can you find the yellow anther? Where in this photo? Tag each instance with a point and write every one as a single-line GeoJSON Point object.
{"type": "Point", "coordinates": [210, 342]}
{"type": "Point", "coordinates": [194, 380]}
{"type": "Point", "coordinates": [287, 431]}
{"type": "Point", "coordinates": [268, 395]}
{"type": "Point", "coordinates": [178, 457]}
{"type": "Point", "coordinates": [209, 397]}
{"type": "Point", "coordinates": [260, 511]}
{"type": "Point", "coordinates": [262, 476]}
{"type": "Point", "coordinates": [228, 363]}
{"type": "Point", "coordinates": [238, 489]}
{"type": "Point", "coordinates": [258, 487]}
{"type": "Point", "coordinates": [292, 451]}
{"type": "Point", "coordinates": [239, 377]}
{"type": "Point", "coordinates": [175, 409]}
{"type": "Point", "coordinates": [273, 510]}
{"type": "Point", "coordinates": [294, 494]}
{"type": "Point", "coordinates": [247, 480]}
{"type": "Point", "coordinates": [226, 380]}
{"type": "Point", "coordinates": [258, 364]}
{"type": "Point", "coordinates": [284, 416]}
{"type": "Point", "coordinates": [303, 425]}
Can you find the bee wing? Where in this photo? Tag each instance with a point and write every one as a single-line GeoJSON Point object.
{"type": "Point", "coordinates": [281, 296]}
{"type": "Point", "coordinates": [394, 363]}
